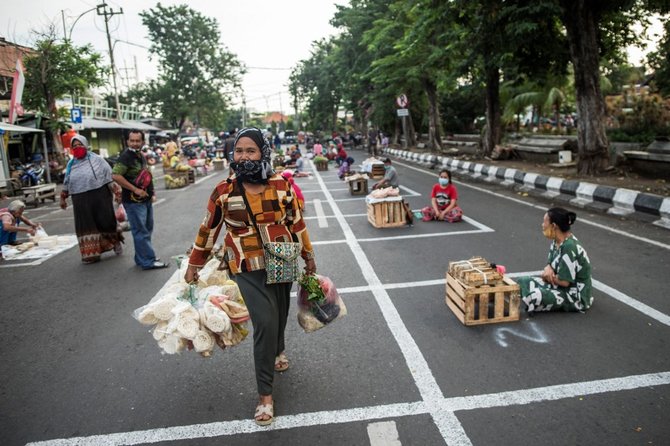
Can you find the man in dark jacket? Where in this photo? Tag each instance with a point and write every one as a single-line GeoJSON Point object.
{"type": "Point", "coordinates": [137, 196]}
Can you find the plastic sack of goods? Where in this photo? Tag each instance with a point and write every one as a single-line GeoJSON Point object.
{"type": "Point", "coordinates": [197, 316]}
{"type": "Point", "coordinates": [319, 304]}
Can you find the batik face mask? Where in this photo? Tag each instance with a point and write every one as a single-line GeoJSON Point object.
{"type": "Point", "coordinates": [248, 170]}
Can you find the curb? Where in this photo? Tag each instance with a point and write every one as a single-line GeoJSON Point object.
{"type": "Point", "coordinates": [611, 200]}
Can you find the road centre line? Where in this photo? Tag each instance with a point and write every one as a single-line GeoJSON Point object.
{"type": "Point", "coordinates": [323, 222]}
{"type": "Point", "coordinates": [447, 406]}
{"type": "Point", "coordinates": [320, 191]}
{"type": "Point", "coordinates": [544, 208]}
{"type": "Point", "coordinates": [423, 376]}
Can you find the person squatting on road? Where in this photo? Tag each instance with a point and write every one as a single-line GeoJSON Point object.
{"type": "Point", "coordinates": [255, 191]}
{"type": "Point", "coordinates": [11, 218]}
{"type": "Point", "coordinates": [390, 176]}
{"type": "Point", "coordinates": [565, 283]}
{"type": "Point", "coordinates": [443, 201]}
{"type": "Point", "coordinates": [137, 196]}
{"type": "Point", "coordinates": [88, 182]}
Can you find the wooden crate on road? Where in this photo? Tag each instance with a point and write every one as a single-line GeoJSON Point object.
{"type": "Point", "coordinates": [321, 165]}
{"type": "Point", "coordinates": [36, 194]}
{"type": "Point", "coordinates": [386, 214]}
{"type": "Point", "coordinates": [483, 304]}
{"type": "Point", "coordinates": [358, 186]}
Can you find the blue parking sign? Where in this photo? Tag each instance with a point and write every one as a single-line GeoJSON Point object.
{"type": "Point", "coordinates": [75, 115]}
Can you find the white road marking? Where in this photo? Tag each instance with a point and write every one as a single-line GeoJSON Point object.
{"type": "Point", "coordinates": [535, 335]}
{"type": "Point", "coordinates": [412, 193]}
{"type": "Point", "coordinates": [320, 191]}
{"type": "Point", "coordinates": [318, 208]}
{"type": "Point", "coordinates": [383, 433]}
{"type": "Point", "coordinates": [635, 304]}
{"type": "Point", "coordinates": [544, 208]}
{"type": "Point", "coordinates": [445, 407]}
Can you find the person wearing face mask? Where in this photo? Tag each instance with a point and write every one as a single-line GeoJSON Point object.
{"type": "Point", "coordinates": [254, 191]}
{"type": "Point", "coordinates": [443, 201]}
{"type": "Point", "coordinates": [88, 183]}
{"type": "Point", "coordinates": [390, 176]}
{"type": "Point", "coordinates": [137, 196]}
{"type": "Point", "coordinates": [565, 282]}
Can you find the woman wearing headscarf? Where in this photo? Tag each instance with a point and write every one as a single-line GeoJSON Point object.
{"type": "Point", "coordinates": [255, 191]}
{"type": "Point", "coordinates": [88, 182]}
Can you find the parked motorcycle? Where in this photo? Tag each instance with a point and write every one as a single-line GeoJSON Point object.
{"type": "Point", "coordinates": [30, 174]}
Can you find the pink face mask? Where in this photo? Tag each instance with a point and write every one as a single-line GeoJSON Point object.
{"type": "Point", "coordinates": [79, 152]}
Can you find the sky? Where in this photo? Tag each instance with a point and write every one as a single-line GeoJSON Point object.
{"type": "Point", "coordinates": [274, 34]}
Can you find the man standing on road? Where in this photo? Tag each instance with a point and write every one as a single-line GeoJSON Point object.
{"type": "Point", "coordinates": [372, 141]}
{"type": "Point", "coordinates": [229, 145]}
{"type": "Point", "coordinates": [137, 196]}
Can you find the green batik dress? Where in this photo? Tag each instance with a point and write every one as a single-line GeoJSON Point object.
{"type": "Point", "coordinates": [571, 264]}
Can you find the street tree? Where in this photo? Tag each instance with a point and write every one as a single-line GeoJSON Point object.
{"type": "Point", "coordinates": [660, 62]}
{"type": "Point", "coordinates": [596, 31]}
{"type": "Point", "coordinates": [57, 68]}
{"type": "Point", "coordinates": [197, 74]}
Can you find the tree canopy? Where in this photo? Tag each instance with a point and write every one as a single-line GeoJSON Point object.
{"type": "Point", "coordinates": [197, 74]}
{"type": "Point", "coordinates": [548, 54]}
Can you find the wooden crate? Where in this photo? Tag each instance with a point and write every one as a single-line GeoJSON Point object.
{"type": "Point", "coordinates": [386, 214]}
{"type": "Point", "coordinates": [321, 165]}
{"type": "Point", "coordinates": [358, 186]}
{"type": "Point", "coordinates": [484, 304]}
{"type": "Point", "coordinates": [475, 271]}
{"type": "Point", "coordinates": [219, 164]}
{"type": "Point", "coordinates": [377, 171]}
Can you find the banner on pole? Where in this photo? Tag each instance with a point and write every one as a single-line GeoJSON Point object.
{"type": "Point", "coordinates": [15, 107]}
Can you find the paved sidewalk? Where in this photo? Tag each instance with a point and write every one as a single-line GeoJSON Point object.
{"type": "Point", "coordinates": [617, 201]}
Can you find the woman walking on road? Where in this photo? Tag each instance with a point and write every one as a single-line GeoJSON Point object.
{"type": "Point", "coordinates": [88, 181]}
{"type": "Point", "coordinates": [255, 197]}
{"type": "Point", "coordinates": [565, 283]}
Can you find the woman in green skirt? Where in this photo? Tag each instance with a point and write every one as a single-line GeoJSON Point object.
{"type": "Point", "coordinates": [565, 283]}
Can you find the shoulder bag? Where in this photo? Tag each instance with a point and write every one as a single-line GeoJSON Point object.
{"type": "Point", "coordinates": [281, 258]}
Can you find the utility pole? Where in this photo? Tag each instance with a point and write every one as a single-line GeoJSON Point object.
{"type": "Point", "coordinates": [102, 10]}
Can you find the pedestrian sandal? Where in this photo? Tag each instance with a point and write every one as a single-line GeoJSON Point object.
{"type": "Point", "coordinates": [264, 409]}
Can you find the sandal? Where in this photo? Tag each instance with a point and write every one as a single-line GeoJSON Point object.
{"type": "Point", "coordinates": [264, 409]}
{"type": "Point", "coordinates": [281, 363]}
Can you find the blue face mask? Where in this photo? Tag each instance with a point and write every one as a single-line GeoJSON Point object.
{"type": "Point", "coordinates": [443, 181]}
{"type": "Point", "coordinates": [387, 167]}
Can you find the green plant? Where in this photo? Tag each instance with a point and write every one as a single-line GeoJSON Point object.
{"type": "Point", "coordinates": [310, 283]}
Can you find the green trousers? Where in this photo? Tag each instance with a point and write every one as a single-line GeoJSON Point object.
{"type": "Point", "coordinates": [268, 307]}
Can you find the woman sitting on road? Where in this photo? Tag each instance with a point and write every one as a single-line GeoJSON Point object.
{"type": "Point", "coordinates": [255, 197]}
{"type": "Point", "coordinates": [443, 202]}
{"type": "Point", "coordinates": [565, 283]}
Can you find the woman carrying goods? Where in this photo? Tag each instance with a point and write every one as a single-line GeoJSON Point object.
{"type": "Point", "coordinates": [256, 208]}
{"type": "Point", "coordinates": [88, 182]}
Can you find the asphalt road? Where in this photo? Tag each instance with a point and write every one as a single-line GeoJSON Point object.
{"type": "Point", "coordinates": [400, 369]}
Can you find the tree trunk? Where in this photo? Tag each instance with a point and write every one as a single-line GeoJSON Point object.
{"type": "Point", "coordinates": [398, 130]}
{"type": "Point", "coordinates": [493, 117]}
{"type": "Point", "coordinates": [411, 133]}
{"type": "Point", "coordinates": [334, 122]}
{"type": "Point", "coordinates": [580, 22]}
{"type": "Point", "coordinates": [434, 138]}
